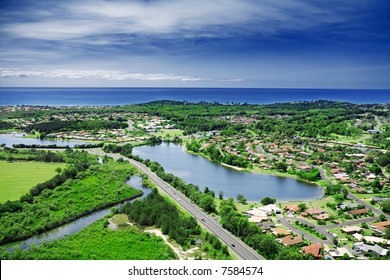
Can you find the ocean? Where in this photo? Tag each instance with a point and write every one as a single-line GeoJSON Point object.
{"type": "Point", "coordinates": [122, 96]}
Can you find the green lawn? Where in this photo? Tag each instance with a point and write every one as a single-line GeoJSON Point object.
{"type": "Point", "coordinates": [18, 177]}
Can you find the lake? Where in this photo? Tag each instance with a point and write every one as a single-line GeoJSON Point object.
{"type": "Point", "coordinates": [200, 171]}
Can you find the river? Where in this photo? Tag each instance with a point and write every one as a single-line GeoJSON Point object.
{"type": "Point", "coordinates": [17, 138]}
{"type": "Point", "coordinates": [200, 171]}
{"type": "Point", "coordinates": [80, 223]}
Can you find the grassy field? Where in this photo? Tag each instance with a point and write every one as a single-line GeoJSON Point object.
{"type": "Point", "coordinates": [97, 242]}
{"type": "Point", "coordinates": [18, 177]}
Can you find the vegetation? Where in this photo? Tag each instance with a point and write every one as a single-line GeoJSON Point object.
{"type": "Point", "coordinates": [82, 188]}
{"type": "Point", "coordinates": [98, 242]}
{"type": "Point", "coordinates": [17, 178]}
{"type": "Point", "coordinates": [386, 206]}
{"type": "Point", "coordinates": [268, 200]}
{"type": "Point", "coordinates": [55, 126]}
{"type": "Point", "coordinates": [154, 210]}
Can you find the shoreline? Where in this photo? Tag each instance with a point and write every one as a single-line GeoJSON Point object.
{"type": "Point", "coordinates": [265, 172]}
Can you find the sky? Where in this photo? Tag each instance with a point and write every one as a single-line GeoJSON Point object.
{"type": "Point", "coordinates": [195, 43]}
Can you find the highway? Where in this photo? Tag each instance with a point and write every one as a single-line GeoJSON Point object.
{"type": "Point", "coordinates": [242, 250]}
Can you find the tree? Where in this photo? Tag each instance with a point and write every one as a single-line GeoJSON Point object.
{"type": "Point", "coordinates": [207, 203]}
{"type": "Point", "coordinates": [268, 200]}
{"type": "Point", "coordinates": [281, 166]}
{"type": "Point", "coordinates": [58, 170]}
{"type": "Point", "coordinates": [387, 233]}
{"type": "Point", "coordinates": [386, 206]}
{"type": "Point", "coordinates": [382, 218]}
{"type": "Point", "coordinates": [302, 207]}
{"type": "Point", "coordinates": [220, 195]}
{"type": "Point", "coordinates": [241, 198]}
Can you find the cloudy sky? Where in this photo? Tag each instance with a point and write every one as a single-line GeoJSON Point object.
{"type": "Point", "coordinates": [196, 43]}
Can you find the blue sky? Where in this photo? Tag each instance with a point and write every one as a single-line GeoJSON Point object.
{"type": "Point", "coordinates": [202, 43]}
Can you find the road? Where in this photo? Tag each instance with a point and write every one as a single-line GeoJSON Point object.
{"type": "Point", "coordinates": [365, 204]}
{"type": "Point", "coordinates": [242, 250]}
{"type": "Point", "coordinates": [285, 221]}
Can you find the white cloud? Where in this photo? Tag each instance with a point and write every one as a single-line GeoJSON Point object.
{"type": "Point", "coordinates": [103, 75]}
{"type": "Point", "coordinates": [181, 18]}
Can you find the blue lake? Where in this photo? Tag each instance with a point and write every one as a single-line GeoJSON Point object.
{"type": "Point", "coordinates": [200, 171]}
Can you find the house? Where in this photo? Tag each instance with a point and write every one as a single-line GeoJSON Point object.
{"type": "Point", "coordinates": [357, 236]}
{"type": "Point", "coordinates": [291, 208]}
{"type": "Point", "coordinates": [322, 217]}
{"type": "Point", "coordinates": [266, 226]}
{"type": "Point", "coordinates": [361, 248]}
{"type": "Point", "coordinates": [306, 168]}
{"type": "Point", "coordinates": [314, 249]}
{"type": "Point", "coordinates": [257, 219]}
{"type": "Point", "coordinates": [381, 226]}
{"type": "Point", "coordinates": [358, 211]}
{"type": "Point", "coordinates": [271, 208]}
{"type": "Point", "coordinates": [264, 211]}
{"type": "Point", "coordinates": [280, 231]}
{"type": "Point", "coordinates": [314, 211]}
{"type": "Point", "coordinates": [352, 229]}
{"type": "Point", "coordinates": [291, 240]}
{"type": "Point", "coordinates": [346, 205]}
{"type": "Point", "coordinates": [339, 252]}
{"type": "Point", "coordinates": [376, 240]}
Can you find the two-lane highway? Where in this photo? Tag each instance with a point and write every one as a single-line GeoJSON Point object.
{"type": "Point", "coordinates": [234, 243]}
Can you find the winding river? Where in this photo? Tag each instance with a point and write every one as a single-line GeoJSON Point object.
{"type": "Point", "coordinates": [79, 224]}
{"type": "Point", "coordinates": [200, 171]}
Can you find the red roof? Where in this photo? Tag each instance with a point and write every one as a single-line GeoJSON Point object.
{"type": "Point", "coordinates": [358, 211]}
{"type": "Point", "coordinates": [314, 249]}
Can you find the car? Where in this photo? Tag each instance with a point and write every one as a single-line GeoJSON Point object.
{"type": "Point", "coordinates": [178, 199]}
{"type": "Point", "coordinates": [203, 220]}
{"type": "Point", "coordinates": [233, 245]}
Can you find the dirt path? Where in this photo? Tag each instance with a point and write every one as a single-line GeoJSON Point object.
{"type": "Point", "coordinates": [183, 255]}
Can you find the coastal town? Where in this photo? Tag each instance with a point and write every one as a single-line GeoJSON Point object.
{"type": "Point", "coordinates": [349, 222]}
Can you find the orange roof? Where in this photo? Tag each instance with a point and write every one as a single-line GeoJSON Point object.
{"type": "Point", "coordinates": [314, 249]}
{"type": "Point", "coordinates": [292, 208]}
{"type": "Point", "coordinates": [291, 240]}
{"type": "Point", "coordinates": [381, 225]}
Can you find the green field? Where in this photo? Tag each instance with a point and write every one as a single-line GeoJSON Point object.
{"type": "Point", "coordinates": [97, 242]}
{"type": "Point", "coordinates": [18, 177]}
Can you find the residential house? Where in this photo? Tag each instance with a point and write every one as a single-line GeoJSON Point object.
{"type": "Point", "coordinates": [314, 211]}
{"type": "Point", "coordinates": [322, 217]}
{"type": "Point", "coordinates": [280, 231]}
{"type": "Point", "coordinates": [358, 211]}
{"type": "Point", "coordinates": [313, 249]}
{"type": "Point", "coordinates": [352, 229]}
{"type": "Point", "coordinates": [381, 226]}
{"type": "Point", "coordinates": [361, 248]}
{"type": "Point", "coordinates": [291, 240]}
{"type": "Point", "coordinates": [339, 252]}
{"type": "Point", "coordinates": [291, 208]}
